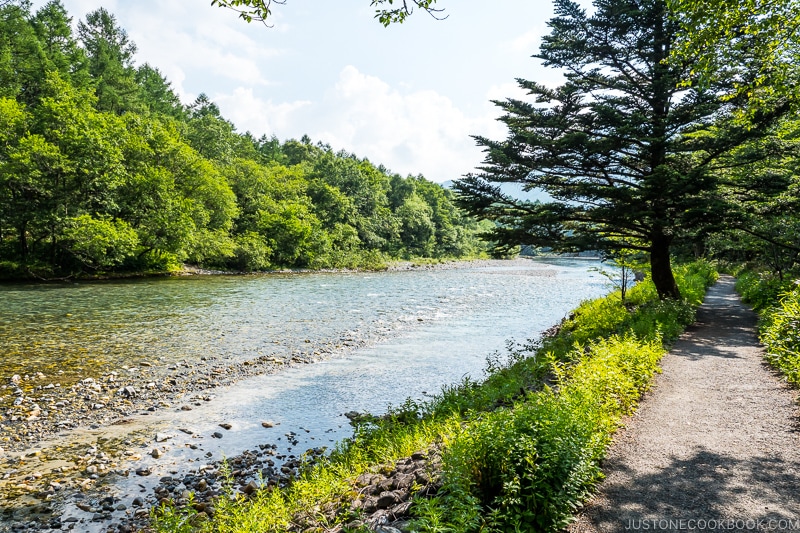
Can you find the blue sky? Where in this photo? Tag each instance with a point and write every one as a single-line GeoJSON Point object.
{"type": "Point", "coordinates": [408, 96]}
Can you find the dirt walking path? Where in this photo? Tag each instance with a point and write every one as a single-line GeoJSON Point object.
{"type": "Point", "coordinates": [714, 445]}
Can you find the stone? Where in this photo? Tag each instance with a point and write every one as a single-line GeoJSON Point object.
{"type": "Point", "coordinates": [225, 426]}
{"type": "Point", "coordinates": [217, 435]}
{"type": "Point", "coordinates": [387, 499]}
{"type": "Point", "coordinates": [250, 488]}
{"type": "Point", "coordinates": [156, 453]}
{"type": "Point", "coordinates": [267, 424]}
{"type": "Point", "coordinates": [143, 471]}
{"type": "Point", "coordinates": [138, 501]}
{"type": "Point", "coordinates": [369, 505]}
{"type": "Point", "coordinates": [403, 481]}
{"type": "Point", "coordinates": [162, 437]}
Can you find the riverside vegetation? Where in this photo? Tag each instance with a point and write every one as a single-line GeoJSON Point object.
{"type": "Point", "coordinates": [104, 170]}
{"type": "Point", "coordinates": [776, 298]}
{"type": "Point", "coordinates": [521, 449]}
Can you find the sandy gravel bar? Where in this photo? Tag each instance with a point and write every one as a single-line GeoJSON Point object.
{"type": "Point", "coordinates": [715, 444]}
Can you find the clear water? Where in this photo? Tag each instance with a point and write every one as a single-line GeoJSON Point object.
{"type": "Point", "coordinates": [423, 329]}
{"type": "Point", "coordinates": [86, 329]}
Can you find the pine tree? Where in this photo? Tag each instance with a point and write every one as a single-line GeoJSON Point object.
{"type": "Point", "coordinates": [157, 93]}
{"type": "Point", "coordinates": [110, 54]}
{"type": "Point", "coordinates": [627, 153]}
{"type": "Point", "coordinates": [53, 26]}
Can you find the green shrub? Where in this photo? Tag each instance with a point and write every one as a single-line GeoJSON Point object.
{"type": "Point", "coordinates": [780, 333]}
{"type": "Point", "coordinates": [530, 466]}
{"type": "Point", "coordinates": [761, 289]}
{"type": "Point", "coordinates": [778, 303]}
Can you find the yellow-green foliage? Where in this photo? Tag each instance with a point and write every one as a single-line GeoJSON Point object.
{"type": "Point", "coordinates": [518, 453]}
{"type": "Point", "coordinates": [778, 302]}
{"type": "Point", "coordinates": [642, 313]}
{"type": "Point", "coordinates": [780, 333]}
{"type": "Point", "coordinates": [529, 466]}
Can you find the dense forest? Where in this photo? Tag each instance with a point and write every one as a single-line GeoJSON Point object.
{"type": "Point", "coordinates": [102, 168]}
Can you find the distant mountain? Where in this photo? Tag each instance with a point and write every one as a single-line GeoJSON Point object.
{"type": "Point", "coordinates": [513, 189]}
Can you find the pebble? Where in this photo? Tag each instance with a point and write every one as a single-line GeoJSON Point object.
{"type": "Point", "coordinates": [156, 453]}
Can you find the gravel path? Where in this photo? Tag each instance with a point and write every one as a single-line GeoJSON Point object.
{"type": "Point", "coordinates": [714, 445]}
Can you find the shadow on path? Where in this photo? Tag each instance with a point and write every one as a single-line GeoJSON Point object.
{"type": "Point", "coordinates": [713, 443]}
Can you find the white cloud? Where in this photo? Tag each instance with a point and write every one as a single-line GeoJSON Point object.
{"type": "Point", "coordinates": [197, 40]}
{"type": "Point", "coordinates": [408, 132]}
{"type": "Point", "coordinates": [256, 115]}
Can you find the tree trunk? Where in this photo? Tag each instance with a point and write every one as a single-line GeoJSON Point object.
{"type": "Point", "coordinates": [23, 241]}
{"type": "Point", "coordinates": [661, 269]}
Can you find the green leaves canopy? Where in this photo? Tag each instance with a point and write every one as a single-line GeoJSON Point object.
{"type": "Point", "coordinates": [629, 156]}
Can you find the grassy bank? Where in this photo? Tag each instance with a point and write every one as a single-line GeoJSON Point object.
{"type": "Point", "coordinates": [520, 449]}
{"type": "Point", "coordinates": [777, 302]}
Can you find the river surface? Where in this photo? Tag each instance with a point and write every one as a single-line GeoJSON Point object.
{"type": "Point", "coordinates": [345, 341]}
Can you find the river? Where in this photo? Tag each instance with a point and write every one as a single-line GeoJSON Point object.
{"type": "Point", "coordinates": [94, 372]}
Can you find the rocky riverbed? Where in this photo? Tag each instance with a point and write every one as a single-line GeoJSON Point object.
{"type": "Point", "coordinates": [40, 476]}
{"type": "Point", "coordinates": [94, 450]}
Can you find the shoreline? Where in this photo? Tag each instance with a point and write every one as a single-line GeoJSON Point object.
{"type": "Point", "coordinates": [115, 397]}
{"type": "Point", "coordinates": [399, 265]}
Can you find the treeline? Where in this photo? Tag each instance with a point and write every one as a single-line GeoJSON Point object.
{"type": "Point", "coordinates": [102, 168]}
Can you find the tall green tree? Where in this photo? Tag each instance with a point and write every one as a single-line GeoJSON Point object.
{"type": "Point", "coordinates": [714, 32]}
{"type": "Point", "coordinates": [626, 153]}
{"type": "Point", "coordinates": [110, 53]}
{"type": "Point", "coordinates": [156, 93]}
{"type": "Point", "coordinates": [23, 63]}
{"type": "Point", "coordinates": [53, 27]}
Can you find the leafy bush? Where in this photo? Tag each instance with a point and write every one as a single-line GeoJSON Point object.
{"type": "Point", "coordinates": [531, 465]}
{"type": "Point", "coordinates": [778, 304]}
{"type": "Point", "coordinates": [780, 334]}
{"type": "Point", "coordinates": [761, 289]}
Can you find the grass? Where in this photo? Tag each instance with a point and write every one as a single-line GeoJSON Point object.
{"type": "Point", "coordinates": [521, 450]}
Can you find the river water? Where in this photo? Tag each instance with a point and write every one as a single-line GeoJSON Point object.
{"type": "Point", "coordinates": [376, 339]}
